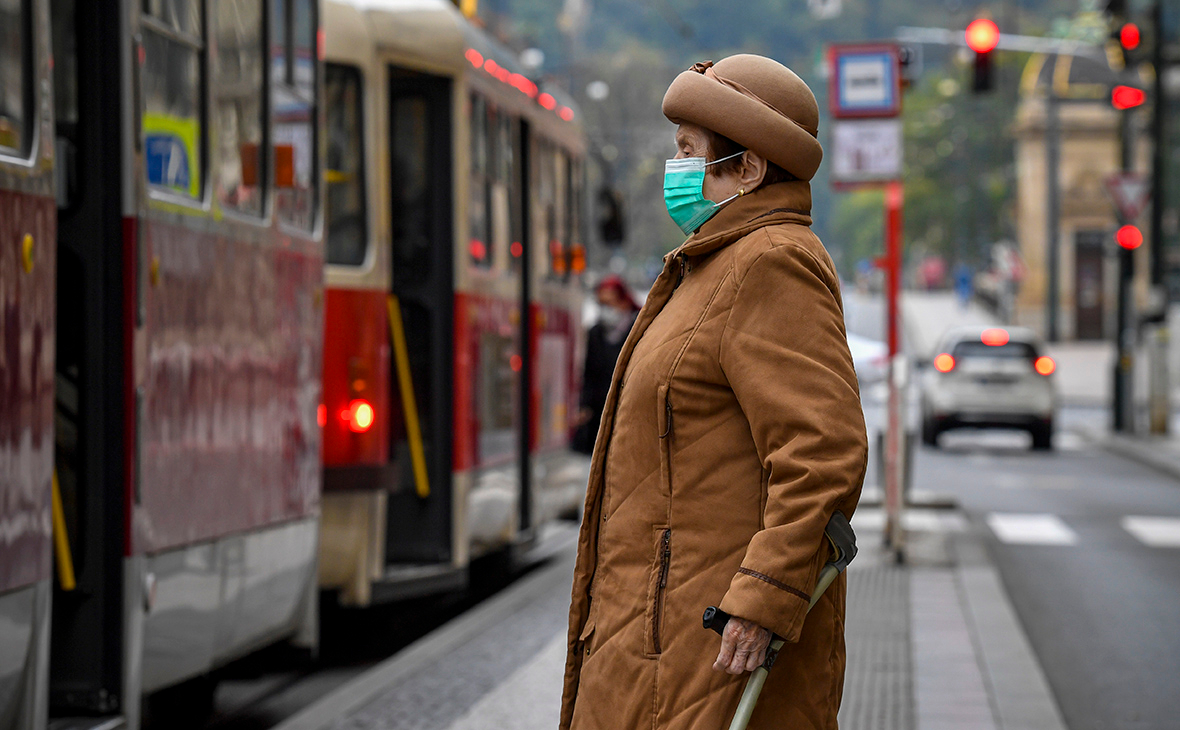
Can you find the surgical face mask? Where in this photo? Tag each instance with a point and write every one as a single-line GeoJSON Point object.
{"type": "Point", "coordinates": [684, 192]}
{"type": "Point", "coordinates": [611, 317]}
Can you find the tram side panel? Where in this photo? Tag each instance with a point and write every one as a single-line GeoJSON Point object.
{"type": "Point", "coordinates": [225, 506]}
{"type": "Point", "coordinates": [27, 278]}
{"type": "Point", "coordinates": [489, 305]}
{"type": "Point", "coordinates": [559, 474]}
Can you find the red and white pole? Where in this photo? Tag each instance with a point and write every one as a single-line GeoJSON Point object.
{"type": "Point", "coordinates": [895, 428]}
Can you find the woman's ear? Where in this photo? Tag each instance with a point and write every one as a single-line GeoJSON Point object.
{"type": "Point", "coordinates": [753, 171]}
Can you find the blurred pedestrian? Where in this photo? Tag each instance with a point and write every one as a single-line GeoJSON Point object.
{"type": "Point", "coordinates": [616, 313]}
{"type": "Point", "coordinates": [964, 284]}
{"type": "Point", "coordinates": [732, 432]}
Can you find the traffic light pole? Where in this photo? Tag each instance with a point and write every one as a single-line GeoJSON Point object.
{"type": "Point", "coordinates": [1159, 395]}
{"type": "Point", "coordinates": [1124, 365]}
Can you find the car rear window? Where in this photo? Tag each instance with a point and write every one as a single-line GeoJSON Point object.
{"type": "Point", "coordinates": [1009, 350]}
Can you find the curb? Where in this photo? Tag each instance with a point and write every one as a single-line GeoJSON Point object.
{"type": "Point", "coordinates": [1020, 693]}
{"type": "Point", "coordinates": [1146, 452]}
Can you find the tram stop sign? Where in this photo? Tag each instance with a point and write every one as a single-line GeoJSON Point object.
{"type": "Point", "coordinates": [1130, 192]}
{"type": "Point", "coordinates": [865, 80]}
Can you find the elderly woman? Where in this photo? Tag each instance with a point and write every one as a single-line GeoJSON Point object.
{"type": "Point", "coordinates": [732, 432]}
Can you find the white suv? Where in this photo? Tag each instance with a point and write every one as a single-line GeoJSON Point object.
{"type": "Point", "coordinates": [989, 378]}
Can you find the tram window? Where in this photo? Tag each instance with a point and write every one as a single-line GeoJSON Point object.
{"type": "Point", "coordinates": [15, 76]}
{"type": "Point", "coordinates": [173, 139]}
{"type": "Point", "coordinates": [65, 100]}
{"type": "Point", "coordinates": [479, 205]}
{"type": "Point", "coordinates": [238, 110]}
{"type": "Point", "coordinates": [574, 213]}
{"type": "Point", "coordinates": [346, 215]}
{"type": "Point", "coordinates": [515, 196]}
{"type": "Point", "coordinates": [182, 16]}
{"type": "Point", "coordinates": [409, 132]}
{"type": "Point", "coordinates": [558, 165]}
{"type": "Point", "coordinates": [293, 69]}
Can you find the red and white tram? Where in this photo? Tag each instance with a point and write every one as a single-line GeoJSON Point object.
{"type": "Point", "coordinates": [454, 190]}
{"type": "Point", "coordinates": [161, 274]}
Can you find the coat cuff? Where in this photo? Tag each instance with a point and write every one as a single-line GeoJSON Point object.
{"type": "Point", "coordinates": [768, 602]}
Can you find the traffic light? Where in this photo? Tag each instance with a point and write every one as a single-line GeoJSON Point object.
{"type": "Point", "coordinates": [1123, 97]}
{"type": "Point", "coordinates": [982, 37]}
{"type": "Point", "coordinates": [1129, 237]}
{"type": "Point", "coordinates": [1129, 37]}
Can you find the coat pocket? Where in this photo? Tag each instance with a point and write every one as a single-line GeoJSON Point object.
{"type": "Point", "coordinates": [585, 638]}
{"type": "Point", "coordinates": [664, 421]}
{"type": "Point", "coordinates": [657, 587]}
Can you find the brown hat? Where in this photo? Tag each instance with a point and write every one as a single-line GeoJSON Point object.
{"type": "Point", "coordinates": [755, 101]}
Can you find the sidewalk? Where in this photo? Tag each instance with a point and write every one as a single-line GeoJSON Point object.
{"type": "Point", "coordinates": [932, 645]}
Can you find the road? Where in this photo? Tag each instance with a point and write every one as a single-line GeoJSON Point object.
{"type": "Point", "coordinates": [1098, 602]}
{"type": "Point", "coordinates": [1087, 544]}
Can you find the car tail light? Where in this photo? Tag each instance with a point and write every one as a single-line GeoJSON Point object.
{"type": "Point", "coordinates": [944, 363]}
{"type": "Point", "coordinates": [1045, 365]}
{"type": "Point", "coordinates": [359, 415]}
{"type": "Point", "coordinates": [994, 337]}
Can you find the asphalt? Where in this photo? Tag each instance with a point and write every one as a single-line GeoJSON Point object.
{"type": "Point", "coordinates": [1099, 607]}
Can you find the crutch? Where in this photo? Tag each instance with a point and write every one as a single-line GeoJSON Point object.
{"type": "Point", "coordinates": [843, 540]}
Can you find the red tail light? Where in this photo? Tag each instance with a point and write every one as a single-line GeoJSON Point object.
{"type": "Point", "coordinates": [944, 363]}
{"type": "Point", "coordinates": [994, 337]}
{"type": "Point", "coordinates": [359, 415]}
{"type": "Point", "coordinates": [1045, 365]}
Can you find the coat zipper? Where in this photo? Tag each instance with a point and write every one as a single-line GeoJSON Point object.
{"type": "Point", "coordinates": [683, 270]}
{"type": "Point", "coordinates": [667, 414]}
{"type": "Point", "coordinates": [658, 609]}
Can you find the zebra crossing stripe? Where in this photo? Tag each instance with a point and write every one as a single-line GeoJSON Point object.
{"type": "Point", "coordinates": [1154, 531]}
{"type": "Point", "coordinates": [1016, 528]}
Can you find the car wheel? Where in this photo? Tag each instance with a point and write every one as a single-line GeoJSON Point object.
{"type": "Point", "coordinates": [1042, 436]}
{"type": "Point", "coordinates": [929, 432]}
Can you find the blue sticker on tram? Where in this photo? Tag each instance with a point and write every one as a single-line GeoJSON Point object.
{"type": "Point", "coordinates": [167, 161]}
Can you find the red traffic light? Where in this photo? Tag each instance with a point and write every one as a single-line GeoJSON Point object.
{"type": "Point", "coordinates": [1129, 36]}
{"type": "Point", "coordinates": [1129, 237]}
{"type": "Point", "coordinates": [982, 35]}
{"type": "Point", "coordinates": [1127, 97]}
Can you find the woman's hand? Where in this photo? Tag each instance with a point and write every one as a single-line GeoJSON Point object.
{"type": "Point", "coordinates": [743, 646]}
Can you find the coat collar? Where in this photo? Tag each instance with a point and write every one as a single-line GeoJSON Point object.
{"type": "Point", "coordinates": [785, 202]}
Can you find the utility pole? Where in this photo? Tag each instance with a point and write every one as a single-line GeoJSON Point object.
{"type": "Point", "coordinates": [1160, 388]}
{"type": "Point", "coordinates": [1053, 192]}
{"type": "Point", "coordinates": [1124, 364]}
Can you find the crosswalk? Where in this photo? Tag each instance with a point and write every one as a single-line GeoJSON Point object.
{"type": "Point", "coordinates": [1022, 528]}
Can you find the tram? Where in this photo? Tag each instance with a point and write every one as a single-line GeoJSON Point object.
{"type": "Point", "coordinates": [161, 280]}
{"type": "Point", "coordinates": [452, 324]}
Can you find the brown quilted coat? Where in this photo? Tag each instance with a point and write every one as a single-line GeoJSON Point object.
{"type": "Point", "coordinates": [732, 431]}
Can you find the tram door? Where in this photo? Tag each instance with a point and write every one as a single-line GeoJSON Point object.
{"type": "Point", "coordinates": [91, 441]}
{"type": "Point", "coordinates": [420, 529]}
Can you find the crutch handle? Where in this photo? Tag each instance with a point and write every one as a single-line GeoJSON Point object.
{"type": "Point", "coordinates": [715, 619]}
{"type": "Point", "coordinates": [843, 539]}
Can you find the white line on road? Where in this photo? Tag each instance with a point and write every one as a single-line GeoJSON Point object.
{"type": "Point", "coordinates": [915, 520]}
{"type": "Point", "coordinates": [1154, 531]}
{"type": "Point", "coordinates": [1031, 529]}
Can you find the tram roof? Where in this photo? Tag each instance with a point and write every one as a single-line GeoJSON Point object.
{"type": "Point", "coordinates": [434, 34]}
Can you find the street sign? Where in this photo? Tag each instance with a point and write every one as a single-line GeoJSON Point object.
{"type": "Point", "coordinates": [865, 81]}
{"type": "Point", "coordinates": [866, 151]}
{"type": "Point", "coordinates": [1130, 191]}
